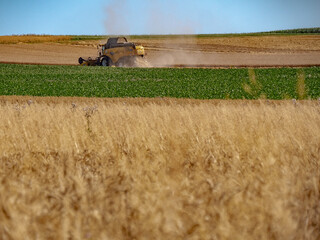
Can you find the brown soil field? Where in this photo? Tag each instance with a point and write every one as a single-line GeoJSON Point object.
{"type": "Point", "coordinates": [196, 52]}
{"type": "Point", "coordinates": [79, 168]}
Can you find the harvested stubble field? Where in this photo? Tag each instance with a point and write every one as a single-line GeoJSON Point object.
{"type": "Point", "coordinates": [77, 168]}
{"type": "Point", "coordinates": [188, 50]}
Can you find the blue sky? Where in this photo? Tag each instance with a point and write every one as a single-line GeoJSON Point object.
{"type": "Point", "coordinates": [74, 17]}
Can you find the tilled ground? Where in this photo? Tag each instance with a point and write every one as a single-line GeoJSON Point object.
{"type": "Point", "coordinates": [256, 51]}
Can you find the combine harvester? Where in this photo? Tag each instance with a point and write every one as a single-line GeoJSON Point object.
{"type": "Point", "coordinates": [116, 52]}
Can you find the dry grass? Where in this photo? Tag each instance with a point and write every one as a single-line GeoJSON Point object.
{"type": "Point", "coordinates": [297, 43]}
{"type": "Point", "coordinates": [172, 170]}
{"type": "Point", "coordinates": [32, 39]}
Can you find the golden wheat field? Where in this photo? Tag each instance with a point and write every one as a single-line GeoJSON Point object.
{"type": "Point", "coordinates": [159, 169]}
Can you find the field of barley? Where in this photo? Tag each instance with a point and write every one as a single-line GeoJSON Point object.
{"type": "Point", "coordinates": [79, 168]}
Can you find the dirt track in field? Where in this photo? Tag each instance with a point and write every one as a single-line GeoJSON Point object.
{"type": "Point", "coordinates": [183, 52]}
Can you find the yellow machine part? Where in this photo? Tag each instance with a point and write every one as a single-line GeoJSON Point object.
{"type": "Point", "coordinates": [140, 50]}
{"type": "Point", "coordinates": [116, 53]}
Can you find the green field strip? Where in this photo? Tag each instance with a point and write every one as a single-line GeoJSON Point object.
{"type": "Point", "coordinates": [272, 83]}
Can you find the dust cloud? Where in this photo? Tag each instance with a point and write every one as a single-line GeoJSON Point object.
{"type": "Point", "coordinates": [148, 17]}
{"type": "Point", "coordinates": [115, 21]}
{"type": "Point", "coordinates": [178, 51]}
{"type": "Point", "coordinates": [158, 17]}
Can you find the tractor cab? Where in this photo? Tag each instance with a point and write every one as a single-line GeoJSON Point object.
{"type": "Point", "coordinates": [115, 43]}
{"type": "Point", "coordinates": [118, 42]}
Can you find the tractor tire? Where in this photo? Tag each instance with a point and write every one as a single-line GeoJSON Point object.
{"type": "Point", "coordinates": [80, 60]}
{"type": "Point", "coordinates": [106, 62]}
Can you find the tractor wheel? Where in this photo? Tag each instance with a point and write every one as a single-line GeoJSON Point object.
{"type": "Point", "coordinates": [80, 60]}
{"type": "Point", "coordinates": [106, 62]}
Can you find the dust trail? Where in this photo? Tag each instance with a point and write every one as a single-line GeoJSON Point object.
{"type": "Point", "coordinates": [164, 17]}
{"type": "Point", "coordinates": [142, 62]}
{"type": "Point", "coordinates": [183, 49]}
{"type": "Point", "coordinates": [116, 22]}
{"type": "Point", "coordinates": [159, 17]}
{"type": "Point", "coordinates": [148, 17]}
{"type": "Point", "coordinates": [180, 50]}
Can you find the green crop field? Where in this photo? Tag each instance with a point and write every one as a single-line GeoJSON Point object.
{"type": "Point", "coordinates": [273, 83]}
